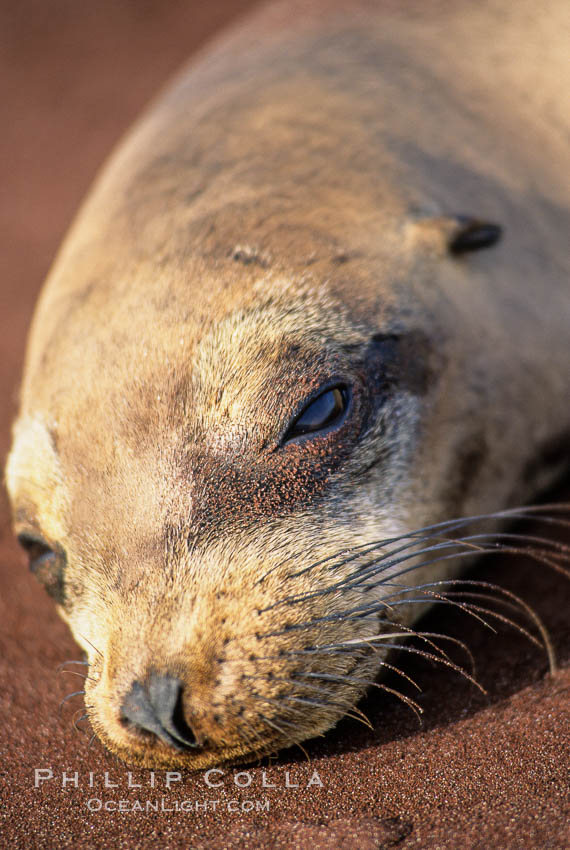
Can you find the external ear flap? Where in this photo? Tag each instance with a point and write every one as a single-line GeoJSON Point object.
{"type": "Point", "coordinates": [472, 234]}
{"type": "Point", "coordinates": [454, 234]}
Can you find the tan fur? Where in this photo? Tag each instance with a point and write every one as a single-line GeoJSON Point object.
{"type": "Point", "coordinates": [288, 199]}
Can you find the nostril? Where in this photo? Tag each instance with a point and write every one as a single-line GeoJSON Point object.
{"type": "Point", "coordinates": [165, 694]}
{"type": "Point", "coordinates": [157, 708]}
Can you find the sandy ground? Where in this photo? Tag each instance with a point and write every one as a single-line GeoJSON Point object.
{"type": "Point", "coordinates": [484, 771]}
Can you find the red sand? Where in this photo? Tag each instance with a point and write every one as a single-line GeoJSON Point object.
{"type": "Point", "coordinates": [483, 772]}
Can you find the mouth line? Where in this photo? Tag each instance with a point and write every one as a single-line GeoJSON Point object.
{"type": "Point", "coordinates": [164, 738]}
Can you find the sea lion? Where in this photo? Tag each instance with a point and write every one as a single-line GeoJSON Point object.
{"type": "Point", "coordinates": [283, 338]}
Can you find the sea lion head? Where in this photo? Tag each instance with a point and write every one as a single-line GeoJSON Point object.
{"type": "Point", "coordinates": [237, 382]}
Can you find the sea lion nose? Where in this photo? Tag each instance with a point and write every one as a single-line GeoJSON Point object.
{"type": "Point", "coordinates": [156, 706]}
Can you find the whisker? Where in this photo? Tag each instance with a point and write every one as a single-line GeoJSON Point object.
{"type": "Point", "coordinates": [367, 585]}
{"type": "Point", "coordinates": [384, 637]}
{"type": "Point", "coordinates": [472, 609]}
{"type": "Point", "coordinates": [292, 556]}
{"type": "Point", "coordinates": [395, 669]}
{"type": "Point", "coordinates": [532, 512]}
{"type": "Point", "coordinates": [494, 547]}
{"type": "Point", "coordinates": [417, 709]}
{"type": "Point", "coordinates": [81, 675]}
{"type": "Point", "coordinates": [384, 563]}
{"type": "Point", "coordinates": [278, 704]}
{"type": "Point", "coordinates": [312, 703]}
{"type": "Point", "coordinates": [92, 645]}
{"type": "Point", "coordinates": [359, 578]}
{"type": "Point", "coordinates": [75, 722]}
{"type": "Point", "coordinates": [249, 741]}
{"type": "Point", "coordinates": [426, 638]}
{"type": "Point", "coordinates": [68, 697]}
{"type": "Point", "coordinates": [347, 708]}
{"type": "Point", "coordinates": [513, 601]}
{"type": "Point", "coordinates": [367, 683]}
{"type": "Point", "coordinates": [282, 733]}
{"type": "Point", "coordinates": [413, 651]}
{"type": "Point", "coordinates": [252, 729]}
{"type": "Point", "coordinates": [273, 724]}
{"type": "Point", "coordinates": [438, 599]}
{"type": "Point", "coordinates": [373, 608]}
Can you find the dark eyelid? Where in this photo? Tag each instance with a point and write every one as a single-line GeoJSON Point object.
{"type": "Point", "coordinates": [37, 548]}
{"type": "Point", "coordinates": [47, 562]}
{"type": "Point", "coordinates": [27, 539]}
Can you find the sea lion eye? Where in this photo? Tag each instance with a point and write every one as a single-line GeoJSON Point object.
{"type": "Point", "coordinates": [45, 563]}
{"type": "Point", "coordinates": [325, 410]}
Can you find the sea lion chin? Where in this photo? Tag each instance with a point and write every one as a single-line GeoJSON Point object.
{"type": "Point", "coordinates": [282, 348]}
